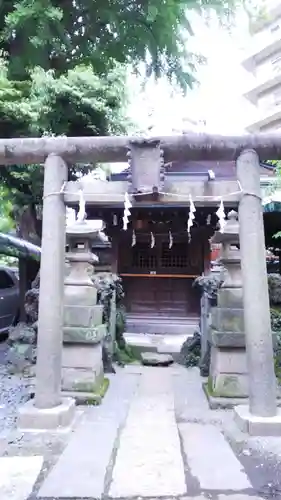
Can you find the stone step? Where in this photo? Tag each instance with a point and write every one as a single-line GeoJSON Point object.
{"type": "Point", "coordinates": [164, 344]}
{"type": "Point", "coordinates": [156, 359]}
{"type": "Point", "coordinates": [161, 326]}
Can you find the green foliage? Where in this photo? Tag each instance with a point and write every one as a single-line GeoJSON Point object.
{"type": "Point", "coordinates": [191, 351]}
{"type": "Point", "coordinates": [107, 284]}
{"type": "Point", "coordinates": [59, 34]}
{"type": "Point", "coordinates": [6, 221]}
{"type": "Point", "coordinates": [210, 284]}
{"type": "Point", "coordinates": [274, 288]}
{"type": "Point", "coordinates": [275, 316]}
{"type": "Point", "coordinates": [78, 103]}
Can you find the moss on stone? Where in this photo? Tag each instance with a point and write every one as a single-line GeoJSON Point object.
{"type": "Point", "coordinates": [226, 390]}
{"type": "Point", "coordinates": [100, 392]}
{"type": "Point", "coordinates": [94, 397]}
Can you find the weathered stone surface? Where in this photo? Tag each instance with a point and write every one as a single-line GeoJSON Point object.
{"type": "Point", "coordinates": [256, 425]}
{"type": "Point", "coordinates": [82, 367]}
{"type": "Point", "coordinates": [149, 461]}
{"type": "Point", "coordinates": [228, 360]}
{"type": "Point", "coordinates": [204, 445]}
{"type": "Point", "coordinates": [227, 319]}
{"type": "Point", "coordinates": [20, 357]}
{"type": "Point", "coordinates": [81, 296]}
{"type": "Point", "coordinates": [22, 333]}
{"type": "Point", "coordinates": [232, 339]}
{"type": "Point", "coordinates": [156, 359]}
{"type": "Point", "coordinates": [33, 419]}
{"type": "Point", "coordinates": [83, 316]}
{"type": "Point", "coordinates": [81, 356]}
{"type": "Point", "coordinates": [230, 297]}
{"type": "Point", "coordinates": [231, 385]}
{"type": "Point", "coordinates": [81, 379]}
{"type": "Point", "coordinates": [18, 476]}
{"type": "Point", "coordinates": [92, 441]}
{"type": "Point", "coordinates": [84, 335]}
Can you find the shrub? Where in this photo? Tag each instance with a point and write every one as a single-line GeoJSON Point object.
{"type": "Point", "coordinates": [210, 284]}
{"type": "Point", "coordinates": [275, 316]}
{"type": "Point", "coordinates": [276, 327]}
{"type": "Point", "coordinates": [274, 288]}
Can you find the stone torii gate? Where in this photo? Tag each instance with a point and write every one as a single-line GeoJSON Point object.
{"type": "Point", "coordinates": [48, 409]}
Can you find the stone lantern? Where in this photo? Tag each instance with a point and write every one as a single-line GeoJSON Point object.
{"type": "Point", "coordinates": [228, 369]}
{"type": "Point", "coordinates": [82, 367]}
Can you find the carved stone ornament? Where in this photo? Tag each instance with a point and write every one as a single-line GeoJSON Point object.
{"type": "Point", "coordinates": [145, 158]}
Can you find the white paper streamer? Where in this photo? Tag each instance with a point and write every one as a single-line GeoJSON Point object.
{"type": "Point", "coordinates": [127, 213]}
{"type": "Point", "coordinates": [191, 215]}
{"type": "Point", "coordinates": [152, 240]}
{"type": "Point", "coordinates": [221, 216]}
{"type": "Point", "coordinates": [208, 220]}
{"type": "Point", "coordinates": [82, 207]}
{"type": "Point", "coordinates": [115, 221]}
{"type": "Point", "coordinates": [171, 241]}
{"type": "Point", "coordinates": [134, 239]}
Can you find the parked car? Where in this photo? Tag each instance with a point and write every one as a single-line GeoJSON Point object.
{"type": "Point", "coordinates": [9, 298]}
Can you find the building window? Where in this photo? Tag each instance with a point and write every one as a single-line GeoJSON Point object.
{"type": "Point", "coordinates": [176, 257]}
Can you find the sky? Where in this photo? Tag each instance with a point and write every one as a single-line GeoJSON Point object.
{"type": "Point", "coordinates": [218, 101]}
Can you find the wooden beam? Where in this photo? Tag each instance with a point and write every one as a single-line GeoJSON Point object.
{"type": "Point", "coordinates": [192, 146]}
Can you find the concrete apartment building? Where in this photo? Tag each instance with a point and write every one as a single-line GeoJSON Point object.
{"type": "Point", "coordinates": [262, 60]}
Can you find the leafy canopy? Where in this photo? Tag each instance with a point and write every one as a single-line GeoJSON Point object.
{"type": "Point", "coordinates": [59, 34]}
{"type": "Point", "coordinates": [77, 103]}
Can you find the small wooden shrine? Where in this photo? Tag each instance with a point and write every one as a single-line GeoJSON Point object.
{"type": "Point", "coordinates": [164, 243]}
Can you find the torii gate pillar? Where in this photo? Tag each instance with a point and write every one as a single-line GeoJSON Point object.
{"type": "Point", "coordinates": [261, 416]}
{"type": "Point", "coordinates": [48, 410]}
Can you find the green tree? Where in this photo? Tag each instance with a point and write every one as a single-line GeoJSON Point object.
{"type": "Point", "coordinates": [6, 221]}
{"type": "Point", "coordinates": [78, 103]}
{"type": "Point", "coordinates": [59, 34]}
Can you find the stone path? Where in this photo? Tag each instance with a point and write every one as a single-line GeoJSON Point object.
{"type": "Point", "coordinates": [154, 436]}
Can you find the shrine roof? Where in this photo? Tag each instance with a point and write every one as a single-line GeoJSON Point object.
{"type": "Point", "coordinates": [224, 170]}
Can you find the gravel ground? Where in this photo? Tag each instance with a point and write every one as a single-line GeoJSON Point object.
{"type": "Point", "coordinates": [261, 457]}
{"type": "Point", "coordinates": [14, 390]}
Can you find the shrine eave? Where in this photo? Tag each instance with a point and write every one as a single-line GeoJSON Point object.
{"type": "Point", "coordinates": [176, 193]}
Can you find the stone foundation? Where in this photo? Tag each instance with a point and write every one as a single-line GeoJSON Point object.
{"type": "Point", "coordinates": [229, 374]}
{"type": "Point", "coordinates": [228, 367]}
{"type": "Point", "coordinates": [82, 367]}
{"type": "Point", "coordinates": [83, 332]}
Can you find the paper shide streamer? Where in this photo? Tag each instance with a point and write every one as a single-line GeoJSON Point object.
{"type": "Point", "coordinates": [152, 240]}
{"type": "Point", "coordinates": [170, 240]}
{"type": "Point", "coordinates": [191, 216]}
{"type": "Point", "coordinates": [221, 216]}
{"type": "Point", "coordinates": [127, 213]}
{"type": "Point", "coordinates": [81, 216]}
{"type": "Point", "coordinates": [134, 239]}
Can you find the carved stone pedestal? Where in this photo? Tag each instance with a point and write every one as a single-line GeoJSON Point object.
{"type": "Point", "coordinates": [82, 367]}
{"type": "Point", "coordinates": [228, 369]}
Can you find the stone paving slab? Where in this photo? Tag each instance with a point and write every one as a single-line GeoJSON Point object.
{"type": "Point", "coordinates": [149, 461]}
{"type": "Point", "coordinates": [81, 471]}
{"type": "Point", "coordinates": [18, 475]}
{"type": "Point", "coordinates": [211, 460]}
{"type": "Point", "coordinates": [240, 496]}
